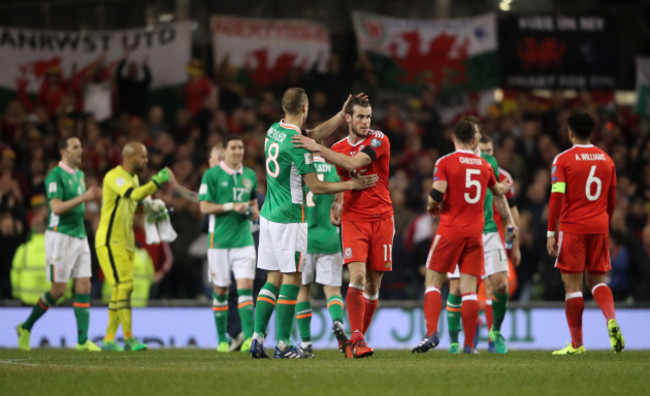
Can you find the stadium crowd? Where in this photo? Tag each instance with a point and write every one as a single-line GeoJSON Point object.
{"type": "Point", "coordinates": [104, 107]}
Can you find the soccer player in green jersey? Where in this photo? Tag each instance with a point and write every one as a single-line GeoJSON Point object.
{"type": "Point", "coordinates": [486, 146]}
{"type": "Point", "coordinates": [67, 253]}
{"type": "Point", "coordinates": [283, 231]}
{"type": "Point", "coordinates": [114, 240]}
{"type": "Point", "coordinates": [323, 262]}
{"type": "Point", "coordinates": [495, 267]}
{"type": "Point", "coordinates": [228, 195]}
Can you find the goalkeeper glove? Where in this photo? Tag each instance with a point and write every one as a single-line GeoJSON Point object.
{"type": "Point", "coordinates": [161, 177]}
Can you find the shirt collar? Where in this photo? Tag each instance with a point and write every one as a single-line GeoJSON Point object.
{"type": "Point", "coordinates": [229, 171]}
{"type": "Point", "coordinates": [67, 168]}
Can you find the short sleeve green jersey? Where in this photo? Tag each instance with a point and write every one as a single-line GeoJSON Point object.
{"type": "Point", "coordinates": [285, 165]}
{"type": "Point", "coordinates": [222, 185]}
{"type": "Point", "coordinates": [490, 225]}
{"type": "Point", "coordinates": [323, 236]}
{"type": "Point", "coordinates": [65, 184]}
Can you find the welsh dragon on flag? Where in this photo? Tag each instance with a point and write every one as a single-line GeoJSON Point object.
{"type": "Point", "coordinates": [452, 55]}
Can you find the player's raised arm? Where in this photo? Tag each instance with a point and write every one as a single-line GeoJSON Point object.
{"type": "Point", "coordinates": [326, 128]}
{"type": "Point", "coordinates": [356, 183]}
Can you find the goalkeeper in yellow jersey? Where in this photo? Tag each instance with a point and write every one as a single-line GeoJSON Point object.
{"type": "Point", "coordinates": [114, 240]}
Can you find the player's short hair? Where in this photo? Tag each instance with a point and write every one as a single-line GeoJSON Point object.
{"type": "Point", "coordinates": [485, 139]}
{"type": "Point", "coordinates": [474, 120]}
{"type": "Point", "coordinates": [228, 139]}
{"type": "Point", "coordinates": [349, 109]}
{"type": "Point", "coordinates": [581, 124]}
{"type": "Point", "coordinates": [293, 100]}
{"type": "Point", "coordinates": [63, 142]}
{"type": "Point", "coordinates": [464, 131]}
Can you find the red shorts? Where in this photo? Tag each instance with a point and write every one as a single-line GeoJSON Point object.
{"type": "Point", "coordinates": [445, 252]}
{"type": "Point", "coordinates": [369, 242]}
{"type": "Point", "coordinates": [583, 252]}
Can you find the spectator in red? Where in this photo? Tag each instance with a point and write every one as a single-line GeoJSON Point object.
{"type": "Point", "coordinates": [52, 90]}
{"type": "Point", "coordinates": [198, 88]}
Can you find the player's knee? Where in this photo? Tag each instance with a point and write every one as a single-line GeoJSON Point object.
{"type": "Point", "coordinates": [125, 288]}
{"type": "Point", "coordinates": [58, 290]}
{"type": "Point", "coordinates": [358, 278]}
{"type": "Point", "coordinates": [82, 285]}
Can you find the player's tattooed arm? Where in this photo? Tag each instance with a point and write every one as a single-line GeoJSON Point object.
{"type": "Point", "coordinates": [184, 192]}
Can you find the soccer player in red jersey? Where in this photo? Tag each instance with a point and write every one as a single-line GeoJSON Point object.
{"type": "Point", "coordinates": [583, 196]}
{"type": "Point", "coordinates": [367, 216]}
{"type": "Point", "coordinates": [460, 180]}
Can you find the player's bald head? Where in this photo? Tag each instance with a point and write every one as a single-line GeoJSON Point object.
{"type": "Point", "coordinates": [134, 157]}
{"type": "Point", "coordinates": [132, 148]}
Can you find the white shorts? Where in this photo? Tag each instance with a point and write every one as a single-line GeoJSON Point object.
{"type": "Point", "coordinates": [281, 245]}
{"type": "Point", "coordinates": [66, 257]}
{"type": "Point", "coordinates": [241, 261]}
{"type": "Point", "coordinates": [494, 257]}
{"type": "Point", "coordinates": [327, 269]}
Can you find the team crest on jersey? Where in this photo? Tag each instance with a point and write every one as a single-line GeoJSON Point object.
{"type": "Point", "coordinates": [375, 142]}
{"type": "Point", "coordinates": [248, 184]}
{"type": "Point", "coordinates": [348, 252]}
{"type": "Point", "coordinates": [224, 184]}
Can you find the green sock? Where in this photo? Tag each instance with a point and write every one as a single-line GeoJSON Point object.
{"type": "Point", "coordinates": [453, 316]}
{"type": "Point", "coordinates": [264, 308]}
{"type": "Point", "coordinates": [303, 317]}
{"type": "Point", "coordinates": [246, 311]}
{"type": "Point", "coordinates": [286, 311]}
{"type": "Point", "coordinates": [499, 309]}
{"type": "Point", "coordinates": [220, 308]}
{"type": "Point", "coordinates": [81, 306]}
{"type": "Point", "coordinates": [335, 307]}
{"type": "Point", "coordinates": [44, 303]}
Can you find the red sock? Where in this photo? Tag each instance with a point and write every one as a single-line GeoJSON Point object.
{"type": "Point", "coordinates": [574, 305]}
{"type": "Point", "coordinates": [469, 313]}
{"type": "Point", "coordinates": [488, 314]}
{"type": "Point", "coordinates": [432, 307]}
{"type": "Point", "coordinates": [355, 304]}
{"type": "Point", "coordinates": [369, 310]}
{"type": "Point", "coordinates": [605, 300]}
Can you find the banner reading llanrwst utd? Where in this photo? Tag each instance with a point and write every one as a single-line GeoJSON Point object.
{"type": "Point", "coordinates": [454, 55]}
{"type": "Point", "coordinates": [27, 54]}
{"type": "Point", "coordinates": [558, 52]}
{"type": "Point", "coordinates": [266, 50]}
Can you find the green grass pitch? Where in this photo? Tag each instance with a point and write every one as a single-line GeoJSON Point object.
{"type": "Point", "coordinates": [200, 372]}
